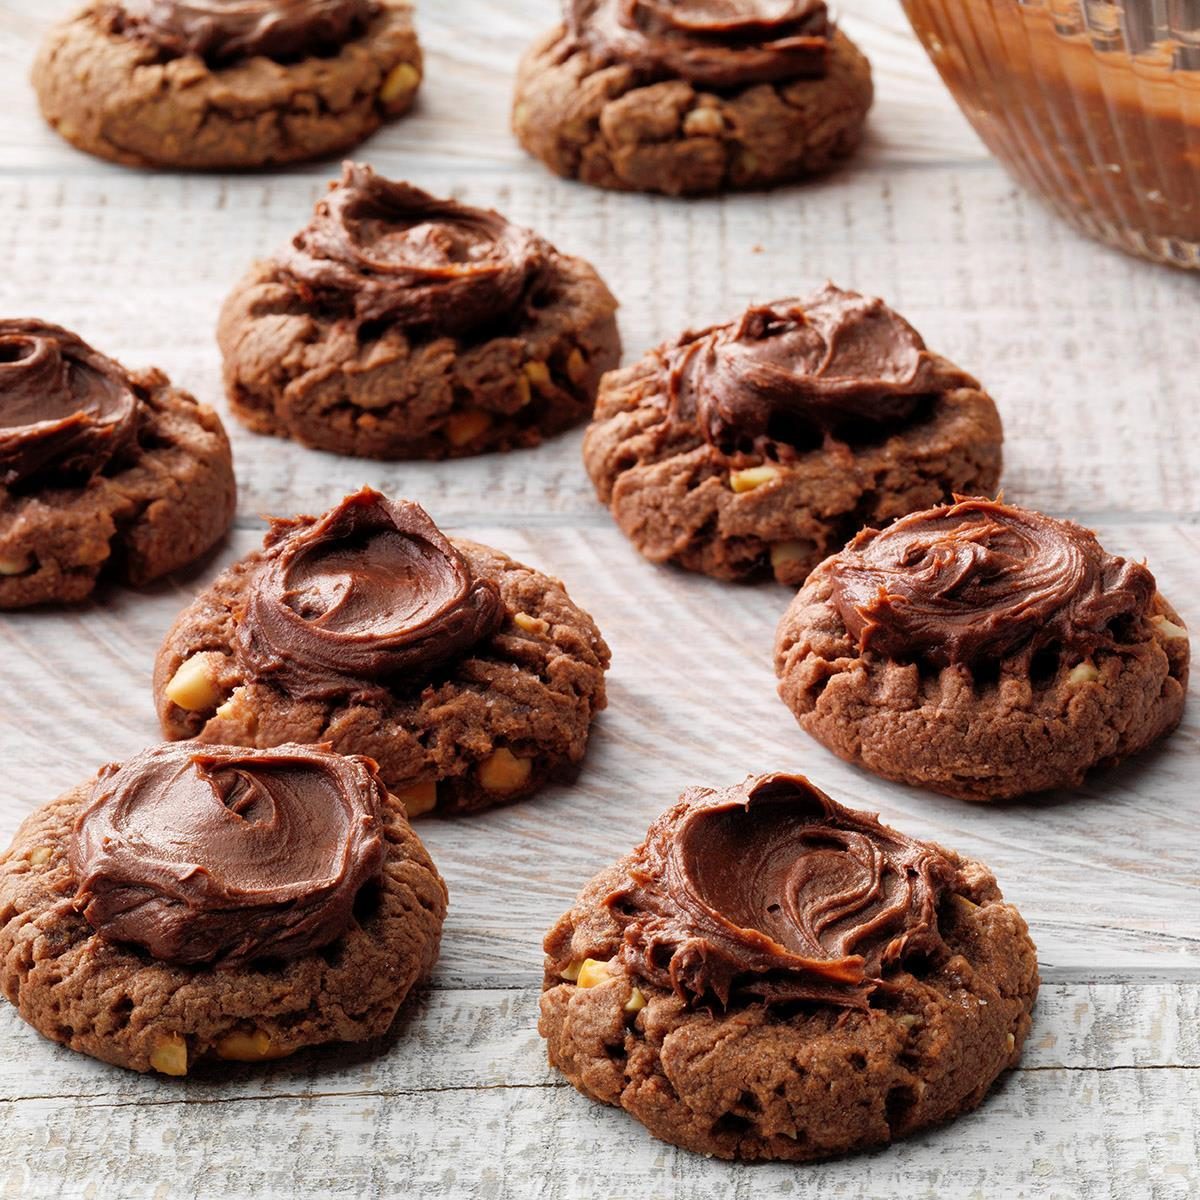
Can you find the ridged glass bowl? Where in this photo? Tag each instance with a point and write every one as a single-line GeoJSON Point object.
{"type": "Point", "coordinates": [1092, 104]}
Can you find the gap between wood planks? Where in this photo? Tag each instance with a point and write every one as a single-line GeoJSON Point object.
{"type": "Point", "coordinates": [602, 519]}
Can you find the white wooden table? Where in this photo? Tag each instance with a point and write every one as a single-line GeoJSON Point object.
{"type": "Point", "coordinates": [1093, 360]}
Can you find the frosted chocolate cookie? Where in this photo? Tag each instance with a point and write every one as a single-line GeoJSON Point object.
{"type": "Point", "coordinates": [103, 471]}
{"type": "Point", "coordinates": [469, 678]}
{"type": "Point", "coordinates": [845, 986]}
{"type": "Point", "coordinates": [689, 96]}
{"type": "Point", "coordinates": [984, 651]}
{"type": "Point", "coordinates": [764, 444]}
{"type": "Point", "coordinates": [398, 325]}
{"type": "Point", "coordinates": [210, 902]}
{"type": "Point", "coordinates": [219, 84]}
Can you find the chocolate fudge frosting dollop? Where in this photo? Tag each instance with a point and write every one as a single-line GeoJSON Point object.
{"type": "Point", "coordinates": [713, 43]}
{"type": "Point", "coordinates": [979, 579]}
{"type": "Point", "coordinates": [770, 890]}
{"type": "Point", "coordinates": [226, 31]}
{"type": "Point", "coordinates": [371, 593]}
{"type": "Point", "coordinates": [788, 374]}
{"type": "Point", "coordinates": [65, 409]}
{"type": "Point", "coordinates": [391, 252]}
{"type": "Point", "coordinates": [217, 854]}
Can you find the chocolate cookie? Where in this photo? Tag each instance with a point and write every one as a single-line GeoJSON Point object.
{"type": "Point", "coordinates": [983, 651]}
{"type": "Point", "coordinates": [687, 97]}
{"type": "Point", "coordinates": [401, 326]}
{"type": "Point", "coordinates": [102, 470]}
{"type": "Point", "coordinates": [209, 85]}
{"type": "Point", "coordinates": [844, 986]}
{"type": "Point", "coordinates": [469, 678]}
{"type": "Point", "coordinates": [764, 444]}
{"type": "Point", "coordinates": [208, 902]}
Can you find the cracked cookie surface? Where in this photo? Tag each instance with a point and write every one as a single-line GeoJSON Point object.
{"type": "Point", "coordinates": [117, 1003]}
{"type": "Point", "coordinates": [163, 504]}
{"type": "Point", "coordinates": [488, 728]}
{"type": "Point", "coordinates": [402, 326]}
{"type": "Point", "coordinates": [122, 98]}
{"type": "Point", "coordinates": [793, 1080]}
{"type": "Point", "coordinates": [611, 125]}
{"type": "Point", "coordinates": [1020, 720]}
{"type": "Point", "coordinates": [735, 489]}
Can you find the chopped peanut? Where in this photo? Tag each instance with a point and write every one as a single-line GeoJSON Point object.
{"type": "Point", "coordinates": [170, 1056]}
{"type": "Point", "coordinates": [752, 477]}
{"type": "Point", "coordinates": [249, 1047]}
{"type": "Point", "coordinates": [194, 686]}
{"type": "Point", "coordinates": [419, 798]}
{"type": "Point", "coordinates": [466, 426]}
{"type": "Point", "coordinates": [1169, 629]}
{"type": "Point", "coordinates": [576, 366]}
{"type": "Point", "coordinates": [636, 1001]}
{"type": "Point", "coordinates": [503, 771]}
{"type": "Point", "coordinates": [39, 856]}
{"type": "Point", "coordinates": [530, 624]}
{"type": "Point", "coordinates": [15, 565]}
{"type": "Point", "coordinates": [401, 82]}
{"type": "Point", "coordinates": [1085, 672]}
{"type": "Point", "coordinates": [592, 971]}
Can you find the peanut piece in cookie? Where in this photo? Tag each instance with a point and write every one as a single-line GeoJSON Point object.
{"type": "Point", "coordinates": [194, 686]}
{"type": "Point", "coordinates": [466, 426]}
{"type": "Point", "coordinates": [752, 477]}
{"type": "Point", "coordinates": [249, 1047]}
{"type": "Point", "coordinates": [170, 1056]}
{"type": "Point", "coordinates": [419, 797]}
{"type": "Point", "coordinates": [399, 86]}
{"type": "Point", "coordinates": [503, 771]}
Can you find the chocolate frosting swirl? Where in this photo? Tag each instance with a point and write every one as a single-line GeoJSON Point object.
{"type": "Point", "coordinates": [788, 375]}
{"type": "Point", "coordinates": [65, 409]}
{"type": "Point", "coordinates": [393, 252]}
{"type": "Point", "coordinates": [772, 891]}
{"type": "Point", "coordinates": [713, 43]}
{"type": "Point", "coordinates": [216, 854]}
{"type": "Point", "coordinates": [980, 580]}
{"type": "Point", "coordinates": [226, 31]}
{"type": "Point", "coordinates": [370, 594]}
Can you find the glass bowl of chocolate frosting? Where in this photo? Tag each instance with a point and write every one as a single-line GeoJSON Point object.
{"type": "Point", "coordinates": [1092, 104]}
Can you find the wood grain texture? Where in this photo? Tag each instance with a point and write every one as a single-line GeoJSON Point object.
{"type": "Point", "coordinates": [1092, 359]}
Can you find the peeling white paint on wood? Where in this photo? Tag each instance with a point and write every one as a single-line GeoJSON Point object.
{"type": "Point", "coordinates": [1091, 357]}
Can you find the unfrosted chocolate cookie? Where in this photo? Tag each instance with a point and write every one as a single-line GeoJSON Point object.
{"type": "Point", "coordinates": [469, 678]}
{"type": "Point", "coordinates": [687, 97]}
{"type": "Point", "coordinates": [843, 987]}
{"type": "Point", "coordinates": [398, 325]}
{"type": "Point", "coordinates": [208, 902]}
{"type": "Point", "coordinates": [765, 444]}
{"type": "Point", "coordinates": [102, 470]}
{"type": "Point", "coordinates": [984, 651]}
{"type": "Point", "coordinates": [208, 84]}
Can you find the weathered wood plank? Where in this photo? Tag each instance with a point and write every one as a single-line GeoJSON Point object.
{"type": "Point", "coordinates": [472, 47]}
{"type": "Point", "coordinates": [460, 1102]}
{"type": "Point", "coordinates": [487, 1037]}
{"type": "Point", "coordinates": [1108, 877]}
{"type": "Point", "coordinates": [1096, 383]}
{"type": "Point", "coordinates": [1075, 1135]}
